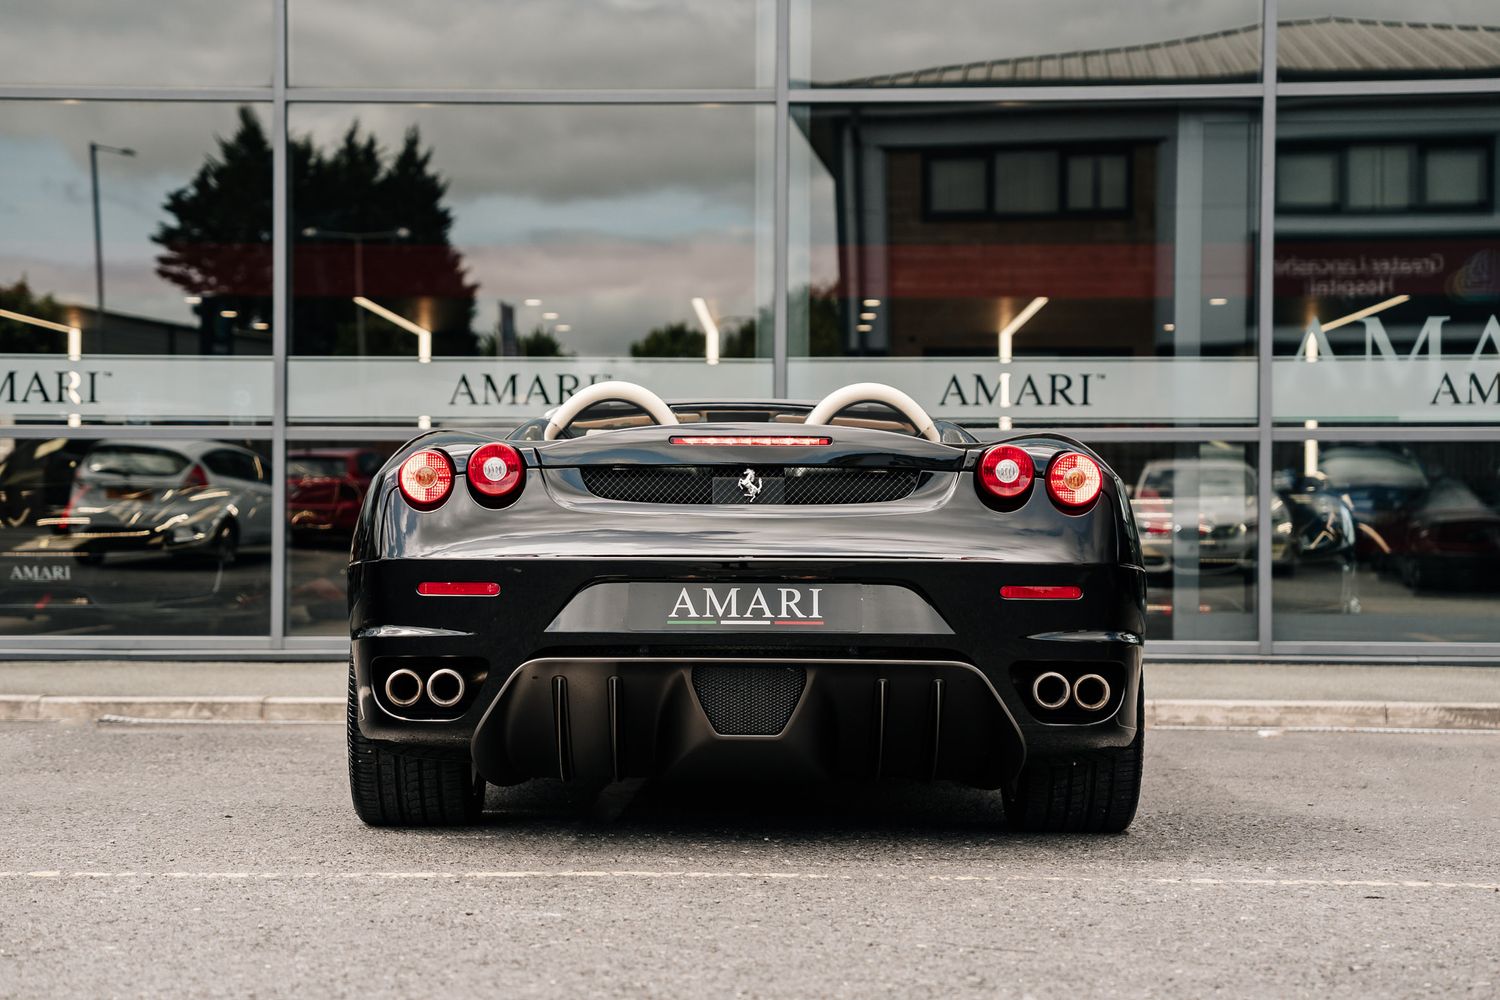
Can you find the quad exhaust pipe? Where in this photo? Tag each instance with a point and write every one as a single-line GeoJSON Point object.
{"type": "Point", "coordinates": [445, 688]}
{"type": "Point", "coordinates": [403, 688]}
{"type": "Point", "coordinates": [1052, 691]}
{"type": "Point", "coordinates": [1091, 692]}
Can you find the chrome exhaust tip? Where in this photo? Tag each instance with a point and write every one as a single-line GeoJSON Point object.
{"type": "Point", "coordinates": [445, 688]}
{"type": "Point", "coordinates": [403, 688]}
{"type": "Point", "coordinates": [1051, 690]}
{"type": "Point", "coordinates": [1091, 692]}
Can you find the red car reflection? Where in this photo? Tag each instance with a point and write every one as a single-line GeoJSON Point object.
{"type": "Point", "coordinates": [1452, 540]}
{"type": "Point", "coordinates": [325, 487]}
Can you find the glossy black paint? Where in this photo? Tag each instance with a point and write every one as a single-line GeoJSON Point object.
{"type": "Point", "coordinates": [943, 542]}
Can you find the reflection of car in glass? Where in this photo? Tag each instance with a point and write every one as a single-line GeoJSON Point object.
{"type": "Point", "coordinates": [762, 589]}
{"type": "Point", "coordinates": [325, 487]}
{"type": "Point", "coordinates": [36, 479]}
{"type": "Point", "coordinates": [1451, 540]}
{"type": "Point", "coordinates": [1221, 492]}
{"type": "Point", "coordinates": [180, 497]}
{"type": "Point", "coordinates": [89, 529]}
{"type": "Point", "coordinates": [1381, 485]}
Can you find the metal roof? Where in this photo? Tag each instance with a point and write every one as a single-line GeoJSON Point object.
{"type": "Point", "coordinates": [1309, 47]}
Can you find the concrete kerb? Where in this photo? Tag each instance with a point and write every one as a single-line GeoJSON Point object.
{"type": "Point", "coordinates": [1159, 712]}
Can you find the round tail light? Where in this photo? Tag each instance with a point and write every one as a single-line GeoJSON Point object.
{"type": "Point", "coordinates": [495, 471]}
{"type": "Point", "coordinates": [1006, 471]}
{"type": "Point", "coordinates": [426, 478]}
{"type": "Point", "coordinates": [1074, 480]}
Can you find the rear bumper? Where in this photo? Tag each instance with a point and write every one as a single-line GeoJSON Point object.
{"type": "Point", "coordinates": [950, 704]}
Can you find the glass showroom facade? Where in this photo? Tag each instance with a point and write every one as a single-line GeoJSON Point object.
{"type": "Point", "coordinates": [243, 256]}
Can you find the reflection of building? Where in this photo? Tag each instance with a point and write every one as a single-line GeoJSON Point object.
{"type": "Point", "coordinates": [1022, 218]}
{"type": "Point", "coordinates": [958, 218]}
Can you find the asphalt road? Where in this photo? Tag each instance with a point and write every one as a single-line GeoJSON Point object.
{"type": "Point", "coordinates": [224, 860]}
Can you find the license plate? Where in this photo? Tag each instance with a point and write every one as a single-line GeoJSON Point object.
{"type": "Point", "coordinates": [763, 607]}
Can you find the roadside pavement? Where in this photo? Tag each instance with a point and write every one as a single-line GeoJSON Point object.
{"type": "Point", "coordinates": [1211, 694]}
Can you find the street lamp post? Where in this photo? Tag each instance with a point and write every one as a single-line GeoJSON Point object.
{"type": "Point", "coordinates": [95, 149]}
{"type": "Point", "coordinates": [358, 239]}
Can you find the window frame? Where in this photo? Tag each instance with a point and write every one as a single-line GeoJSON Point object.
{"type": "Point", "coordinates": [1064, 150]}
{"type": "Point", "coordinates": [1416, 188]}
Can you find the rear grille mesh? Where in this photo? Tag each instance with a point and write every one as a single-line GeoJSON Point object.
{"type": "Point", "coordinates": [706, 484]}
{"type": "Point", "coordinates": [748, 700]}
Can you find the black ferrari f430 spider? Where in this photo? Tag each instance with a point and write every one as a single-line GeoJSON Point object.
{"type": "Point", "coordinates": [843, 590]}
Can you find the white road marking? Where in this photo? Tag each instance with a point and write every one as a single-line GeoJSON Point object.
{"type": "Point", "coordinates": [1278, 730]}
{"type": "Point", "coordinates": [540, 874]}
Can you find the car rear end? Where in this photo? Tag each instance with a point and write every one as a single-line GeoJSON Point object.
{"type": "Point", "coordinates": [829, 602]}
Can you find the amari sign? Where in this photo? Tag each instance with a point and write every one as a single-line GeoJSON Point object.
{"type": "Point", "coordinates": [1381, 384]}
{"type": "Point", "coordinates": [135, 388]}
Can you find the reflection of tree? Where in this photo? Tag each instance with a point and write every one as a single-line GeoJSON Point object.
{"type": "Point", "coordinates": [540, 343]}
{"type": "Point", "coordinates": [678, 340]}
{"type": "Point", "coordinates": [824, 324]}
{"type": "Point", "coordinates": [23, 338]}
{"type": "Point", "coordinates": [217, 238]}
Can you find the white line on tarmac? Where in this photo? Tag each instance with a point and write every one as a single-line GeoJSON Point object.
{"type": "Point", "coordinates": [1379, 730]}
{"type": "Point", "coordinates": [457, 876]}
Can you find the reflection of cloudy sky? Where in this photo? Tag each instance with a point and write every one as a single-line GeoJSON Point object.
{"type": "Point", "coordinates": [46, 224]}
{"type": "Point", "coordinates": [846, 39]}
{"type": "Point", "coordinates": [617, 216]}
{"type": "Point", "coordinates": [163, 42]}
{"type": "Point", "coordinates": [856, 38]}
{"type": "Point", "coordinates": [392, 43]}
{"type": "Point", "coordinates": [567, 44]}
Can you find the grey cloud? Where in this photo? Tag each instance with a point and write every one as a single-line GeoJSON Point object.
{"type": "Point", "coordinates": [560, 153]}
{"type": "Point", "coordinates": [160, 43]}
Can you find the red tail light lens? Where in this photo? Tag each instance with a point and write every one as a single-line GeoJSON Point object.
{"type": "Point", "coordinates": [426, 478]}
{"type": "Point", "coordinates": [457, 588]}
{"type": "Point", "coordinates": [196, 478]}
{"type": "Point", "coordinates": [1006, 471]}
{"type": "Point", "coordinates": [1041, 593]}
{"type": "Point", "coordinates": [495, 470]}
{"type": "Point", "coordinates": [1074, 480]}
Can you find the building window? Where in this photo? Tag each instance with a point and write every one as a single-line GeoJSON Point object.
{"type": "Point", "coordinates": [1045, 181]}
{"type": "Point", "coordinates": [1096, 182]}
{"type": "Point", "coordinates": [956, 185]}
{"type": "Point", "coordinates": [1371, 177]}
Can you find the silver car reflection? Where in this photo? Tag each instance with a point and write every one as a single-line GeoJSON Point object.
{"type": "Point", "coordinates": [1197, 515]}
{"type": "Point", "coordinates": [180, 497]}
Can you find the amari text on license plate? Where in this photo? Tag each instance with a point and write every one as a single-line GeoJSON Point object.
{"type": "Point", "coordinates": [658, 607]}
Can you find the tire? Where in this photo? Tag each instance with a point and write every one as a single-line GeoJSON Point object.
{"type": "Point", "coordinates": [1094, 791]}
{"type": "Point", "coordinates": [398, 789]}
{"type": "Point", "coordinates": [226, 544]}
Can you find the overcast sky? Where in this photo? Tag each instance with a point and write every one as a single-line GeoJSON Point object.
{"type": "Point", "coordinates": [599, 43]}
{"type": "Point", "coordinates": [617, 216]}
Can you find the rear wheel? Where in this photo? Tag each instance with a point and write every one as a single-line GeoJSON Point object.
{"type": "Point", "coordinates": [1094, 791]}
{"type": "Point", "coordinates": [398, 789]}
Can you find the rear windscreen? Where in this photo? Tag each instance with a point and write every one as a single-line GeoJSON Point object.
{"type": "Point", "coordinates": [134, 461]}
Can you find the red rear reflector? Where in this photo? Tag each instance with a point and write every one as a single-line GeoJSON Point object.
{"type": "Point", "coordinates": [725, 440]}
{"type": "Point", "coordinates": [458, 589]}
{"type": "Point", "coordinates": [495, 469]}
{"type": "Point", "coordinates": [1073, 479]}
{"type": "Point", "coordinates": [426, 478]}
{"type": "Point", "coordinates": [1041, 593]}
{"type": "Point", "coordinates": [1006, 471]}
